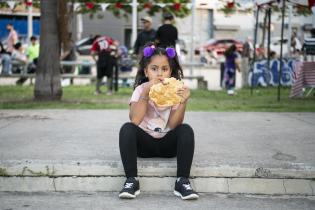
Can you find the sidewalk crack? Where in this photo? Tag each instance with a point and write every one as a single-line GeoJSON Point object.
{"type": "Point", "coordinates": [310, 183]}
{"type": "Point", "coordinates": [285, 189]}
{"type": "Point", "coordinates": [54, 185]}
{"type": "Point", "coordinates": [228, 185]}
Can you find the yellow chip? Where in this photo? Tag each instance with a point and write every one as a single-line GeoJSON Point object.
{"type": "Point", "coordinates": [165, 94]}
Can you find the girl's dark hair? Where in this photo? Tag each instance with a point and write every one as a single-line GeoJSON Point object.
{"type": "Point", "coordinates": [230, 50]}
{"type": "Point", "coordinates": [177, 71]}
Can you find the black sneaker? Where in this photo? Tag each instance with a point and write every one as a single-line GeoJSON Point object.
{"type": "Point", "coordinates": [184, 190]}
{"type": "Point", "coordinates": [131, 188]}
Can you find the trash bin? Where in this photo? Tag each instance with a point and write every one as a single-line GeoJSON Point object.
{"type": "Point", "coordinates": [85, 69]}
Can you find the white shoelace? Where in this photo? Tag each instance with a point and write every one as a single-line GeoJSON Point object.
{"type": "Point", "coordinates": [128, 185]}
{"type": "Point", "coordinates": [187, 186]}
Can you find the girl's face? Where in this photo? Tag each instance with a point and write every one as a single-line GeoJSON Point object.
{"type": "Point", "coordinates": [158, 68]}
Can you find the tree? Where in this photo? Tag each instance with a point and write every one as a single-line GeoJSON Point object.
{"type": "Point", "coordinates": [48, 84]}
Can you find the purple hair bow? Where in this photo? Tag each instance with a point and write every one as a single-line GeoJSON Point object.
{"type": "Point", "coordinates": [170, 51]}
{"type": "Point", "coordinates": [148, 51]}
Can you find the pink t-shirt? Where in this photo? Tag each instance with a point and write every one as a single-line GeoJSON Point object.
{"type": "Point", "coordinates": [11, 41]}
{"type": "Point", "coordinates": [156, 118]}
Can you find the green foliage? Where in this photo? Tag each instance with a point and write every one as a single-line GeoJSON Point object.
{"type": "Point", "coordinates": [123, 8]}
{"type": "Point", "coordinates": [3, 172]}
{"type": "Point", "coordinates": [298, 10]}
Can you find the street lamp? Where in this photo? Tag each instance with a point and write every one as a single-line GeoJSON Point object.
{"type": "Point", "coordinates": [29, 5]}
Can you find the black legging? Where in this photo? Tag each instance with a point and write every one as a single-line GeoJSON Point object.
{"type": "Point", "coordinates": [133, 142]}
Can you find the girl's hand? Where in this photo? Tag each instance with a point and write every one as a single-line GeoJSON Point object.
{"type": "Point", "coordinates": [150, 83]}
{"type": "Point", "coordinates": [184, 93]}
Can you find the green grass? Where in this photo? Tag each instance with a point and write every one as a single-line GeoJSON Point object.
{"type": "Point", "coordinates": [81, 97]}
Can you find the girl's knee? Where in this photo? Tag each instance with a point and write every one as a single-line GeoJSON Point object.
{"type": "Point", "coordinates": [127, 133]}
{"type": "Point", "coordinates": [185, 128]}
{"type": "Point", "coordinates": [127, 125]}
{"type": "Point", "coordinates": [185, 133]}
{"type": "Point", "coordinates": [127, 128]}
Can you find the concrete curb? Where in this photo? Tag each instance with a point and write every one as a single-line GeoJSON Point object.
{"type": "Point", "coordinates": [148, 168]}
{"type": "Point", "coordinates": [96, 175]}
{"type": "Point", "coordinates": [153, 184]}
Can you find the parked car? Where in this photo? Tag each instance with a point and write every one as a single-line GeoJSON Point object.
{"type": "Point", "coordinates": [84, 45]}
{"type": "Point", "coordinates": [219, 46]}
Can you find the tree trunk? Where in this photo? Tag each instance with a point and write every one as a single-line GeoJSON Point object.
{"type": "Point", "coordinates": [48, 84]}
{"type": "Point", "coordinates": [63, 21]}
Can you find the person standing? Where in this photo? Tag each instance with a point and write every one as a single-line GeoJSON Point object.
{"type": "Point", "coordinates": [12, 38]}
{"type": "Point", "coordinates": [167, 34]}
{"type": "Point", "coordinates": [145, 36]}
{"type": "Point", "coordinates": [231, 65]}
{"type": "Point", "coordinates": [6, 53]}
{"type": "Point", "coordinates": [246, 59]}
{"type": "Point", "coordinates": [105, 49]}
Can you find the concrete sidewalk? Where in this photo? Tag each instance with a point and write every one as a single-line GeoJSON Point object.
{"type": "Point", "coordinates": [77, 150]}
{"type": "Point", "coordinates": [150, 201]}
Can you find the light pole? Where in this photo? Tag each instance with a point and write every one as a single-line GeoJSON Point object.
{"type": "Point", "coordinates": [192, 44]}
{"type": "Point", "coordinates": [134, 22]}
{"type": "Point", "coordinates": [29, 19]}
{"type": "Point", "coordinates": [290, 29]}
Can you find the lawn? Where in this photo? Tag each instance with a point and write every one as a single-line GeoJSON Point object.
{"type": "Point", "coordinates": [81, 97]}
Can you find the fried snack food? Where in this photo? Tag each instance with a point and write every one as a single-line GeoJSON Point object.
{"type": "Point", "coordinates": [164, 94]}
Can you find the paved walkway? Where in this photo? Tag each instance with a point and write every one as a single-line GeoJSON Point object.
{"type": "Point", "coordinates": [243, 139]}
{"type": "Point", "coordinates": [152, 201]}
{"type": "Point", "coordinates": [228, 145]}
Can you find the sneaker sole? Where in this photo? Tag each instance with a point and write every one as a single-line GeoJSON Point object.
{"type": "Point", "coordinates": [128, 195]}
{"type": "Point", "coordinates": [188, 197]}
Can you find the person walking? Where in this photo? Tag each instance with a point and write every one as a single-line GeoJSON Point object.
{"type": "Point", "coordinates": [145, 36]}
{"type": "Point", "coordinates": [231, 65]}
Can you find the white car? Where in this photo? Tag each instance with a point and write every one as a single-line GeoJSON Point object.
{"type": "Point", "coordinates": [84, 45]}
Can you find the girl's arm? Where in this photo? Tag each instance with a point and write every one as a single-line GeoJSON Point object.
{"type": "Point", "coordinates": [139, 108]}
{"type": "Point", "coordinates": [177, 116]}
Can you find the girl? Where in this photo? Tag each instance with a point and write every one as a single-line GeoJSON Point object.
{"type": "Point", "coordinates": [155, 131]}
{"type": "Point", "coordinates": [231, 64]}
